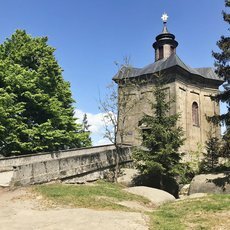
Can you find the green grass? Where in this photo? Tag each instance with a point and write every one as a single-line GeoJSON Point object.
{"type": "Point", "coordinates": [101, 195]}
{"type": "Point", "coordinates": [202, 213]}
{"type": "Point", "coordinates": [208, 212]}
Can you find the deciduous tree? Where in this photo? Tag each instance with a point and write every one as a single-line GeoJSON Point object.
{"type": "Point", "coordinates": [36, 106]}
{"type": "Point", "coordinates": [117, 106]}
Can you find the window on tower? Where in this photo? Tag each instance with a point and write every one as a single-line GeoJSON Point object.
{"type": "Point", "coordinates": [195, 114]}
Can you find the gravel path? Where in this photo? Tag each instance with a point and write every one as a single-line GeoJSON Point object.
{"type": "Point", "coordinates": [20, 210]}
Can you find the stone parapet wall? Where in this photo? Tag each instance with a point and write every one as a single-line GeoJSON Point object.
{"type": "Point", "coordinates": [38, 157]}
{"type": "Point", "coordinates": [75, 165]}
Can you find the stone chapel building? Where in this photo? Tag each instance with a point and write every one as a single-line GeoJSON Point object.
{"type": "Point", "coordinates": [190, 89]}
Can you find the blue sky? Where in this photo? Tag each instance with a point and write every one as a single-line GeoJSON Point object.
{"type": "Point", "coordinates": [90, 35]}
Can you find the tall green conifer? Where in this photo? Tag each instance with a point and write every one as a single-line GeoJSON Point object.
{"type": "Point", "coordinates": [223, 70]}
{"type": "Point", "coordinates": [161, 139]}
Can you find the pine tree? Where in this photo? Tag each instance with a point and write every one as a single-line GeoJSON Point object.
{"type": "Point", "coordinates": [161, 140]}
{"type": "Point", "coordinates": [210, 161]}
{"type": "Point", "coordinates": [36, 106]}
{"type": "Point", "coordinates": [85, 130]}
{"type": "Point", "coordinates": [223, 70]}
{"type": "Point", "coordinates": [85, 124]}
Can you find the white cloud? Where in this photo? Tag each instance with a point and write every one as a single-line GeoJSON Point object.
{"type": "Point", "coordinates": [97, 126]}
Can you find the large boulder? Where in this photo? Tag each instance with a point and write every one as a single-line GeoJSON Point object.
{"type": "Point", "coordinates": [128, 176]}
{"type": "Point", "coordinates": [210, 183]}
{"type": "Point", "coordinates": [156, 196]}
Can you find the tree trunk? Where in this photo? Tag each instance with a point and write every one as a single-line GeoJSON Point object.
{"type": "Point", "coordinates": [116, 172]}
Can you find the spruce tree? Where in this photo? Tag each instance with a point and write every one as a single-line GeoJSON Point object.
{"type": "Point", "coordinates": [210, 161]}
{"type": "Point", "coordinates": [86, 131]}
{"type": "Point", "coordinates": [161, 139]}
{"type": "Point", "coordinates": [36, 105]}
{"type": "Point", "coordinates": [223, 70]}
{"type": "Point", "coordinates": [85, 124]}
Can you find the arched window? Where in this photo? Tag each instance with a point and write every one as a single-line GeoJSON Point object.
{"type": "Point", "coordinates": [195, 114]}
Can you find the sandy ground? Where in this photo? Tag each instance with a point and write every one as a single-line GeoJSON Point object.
{"type": "Point", "coordinates": [19, 209]}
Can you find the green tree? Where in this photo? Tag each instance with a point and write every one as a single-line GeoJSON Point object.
{"type": "Point", "coordinates": [223, 70]}
{"type": "Point", "coordinates": [85, 124]}
{"type": "Point", "coordinates": [85, 130]}
{"type": "Point", "coordinates": [36, 105]}
{"type": "Point", "coordinates": [159, 155]}
{"type": "Point", "coordinates": [117, 106]}
{"type": "Point", "coordinates": [210, 161]}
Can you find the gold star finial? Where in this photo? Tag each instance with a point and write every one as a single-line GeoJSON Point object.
{"type": "Point", "coordinates": [164, 17]}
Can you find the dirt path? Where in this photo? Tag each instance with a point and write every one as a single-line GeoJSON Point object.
{"type": "Point", "coordinates": [20, 210]}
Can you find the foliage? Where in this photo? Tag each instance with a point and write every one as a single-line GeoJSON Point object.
{"type": "Point", "coordinates": [225, 150]}
{"type": "Point", "coordinates": [101, 195]}
{"type": "Point", "coordinates": [36, 112]}
{"type": "Point", "coordinates": [116, 108]}
{"type": "Point", "coordinates": [186, 214]}
{"type": "Point", "coordinates": [185, 173]}
{"type": "Point", "coordinates": [85, 124]}
{"type": "Point", "coordinates": [223, 70]}
{"type": "Point", "coordinates": [117, 105]}
{"type": "Point", "coordinates": [210, 162]}
{"type": "Point", "coordinates": [85, 131]}
{"type": "Point", "coordinates": [109, 107]}
{"type": "Point", "coordinates": [161, 138]}
{"type": "Point", "coordinates": [183, 214]}
{"type": "Point", "coordinates": [196, 157]}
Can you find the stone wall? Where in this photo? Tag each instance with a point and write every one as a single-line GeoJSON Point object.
{"type": "Point", "coordinates": [38, 157]}
{"type": "Point", "coordinates": [66, 165]}
{"type": "Point", "coordinates": [196, 135]}
{"type": "Point", "coordinates": [182, 94]}
{"type": "Point", "coordinates": [140, 101]}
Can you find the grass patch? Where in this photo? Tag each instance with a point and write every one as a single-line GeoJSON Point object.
{"type": "Point", "coordinates": [101, 195]}
{"type": "Point", "coordinates": [210, 212]}
{"type": "Point", "coordinates": [203, 213]}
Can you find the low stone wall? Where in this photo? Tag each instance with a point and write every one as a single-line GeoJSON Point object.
{"type": "Point", "coordinates": [74, 165]}
{"type": "Point", "coordinates": [46, 156]}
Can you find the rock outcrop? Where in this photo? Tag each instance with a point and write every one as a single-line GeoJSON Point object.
{"type": "Point", "coordinates": [128, 176]}
{"type": "Point", "coordinates": [156, 196]}
{"type": "Point", "coordinates": [211, 183]}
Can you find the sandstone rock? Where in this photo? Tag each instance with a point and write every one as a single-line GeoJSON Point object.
{"type": "Point", "coordinates": [192, 196]}
{"type": "Point", "coordinates": [210, 183]}
{"type": "Point", "coordinates": [128, 174]}
{"type": "Point", "coordinates": [5, 178]}
{"type": "Point", "coordinates": [184, 190]}
{"type": "Point", "coordinates": [156, 196]}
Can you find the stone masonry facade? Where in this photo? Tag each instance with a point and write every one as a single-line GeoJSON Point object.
{"type": "Point", "coordinates": [190, 89]}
